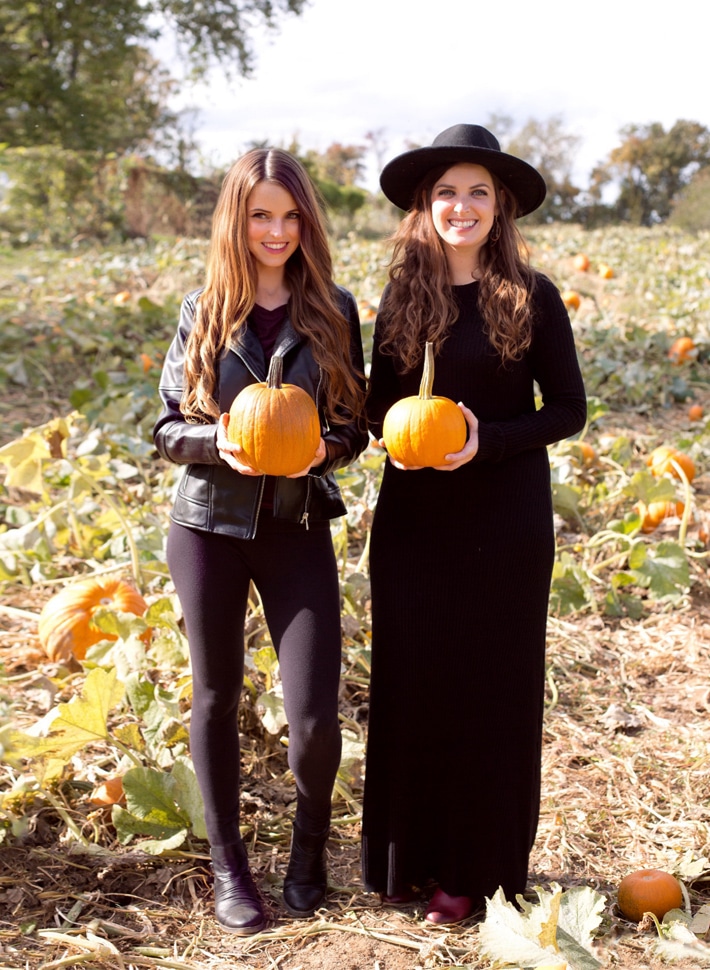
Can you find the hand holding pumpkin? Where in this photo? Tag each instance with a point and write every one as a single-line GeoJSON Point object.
{"type": "Point", "coordinates": [454, 459]}
{"type": "Point", "coordinates": [230, 451]}
{"type": "Point", "coordinates": [319, 456]}
{"type": "Point", "coordinates": [234, 455]}
{"type": "Point", "coordinates": [459, 458]}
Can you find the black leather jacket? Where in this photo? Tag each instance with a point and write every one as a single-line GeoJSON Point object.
{"type": "Point", "coordinates": [212, 496]}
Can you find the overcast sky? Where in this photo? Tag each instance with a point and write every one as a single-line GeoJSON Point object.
{"type": "Point", "coordinates": [412, 68]}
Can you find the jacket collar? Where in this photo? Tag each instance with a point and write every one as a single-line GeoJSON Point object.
{"type": "Point", "coordinates": [247, 346]}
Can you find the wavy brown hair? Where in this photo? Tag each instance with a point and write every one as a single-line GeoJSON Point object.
{"type": "Point", "coordinates": [419, 305]}
{"type": "Point", "coordinates": [231, 283]}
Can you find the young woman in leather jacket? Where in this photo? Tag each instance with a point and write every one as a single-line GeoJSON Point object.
{"type": "Point", "coordinates": [268, 290]}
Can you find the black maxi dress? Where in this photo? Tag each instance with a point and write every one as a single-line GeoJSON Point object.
{"type": "Point", "coordinates": [460, 565]}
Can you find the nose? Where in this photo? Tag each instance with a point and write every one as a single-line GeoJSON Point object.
{"type": "Point", "coordinates": [461, 204]}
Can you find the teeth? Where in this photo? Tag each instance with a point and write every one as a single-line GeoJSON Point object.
{"type": "Point", "coordinates": [463, 223]}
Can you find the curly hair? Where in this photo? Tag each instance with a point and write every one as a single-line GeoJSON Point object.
{"type": "Point", "coordinates": [230, 289]}
{"type": "Point", "coordinates": [419, 303]}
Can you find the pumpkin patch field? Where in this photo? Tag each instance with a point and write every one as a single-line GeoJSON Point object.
{"type": "Point", "coordinates": [103, 858]}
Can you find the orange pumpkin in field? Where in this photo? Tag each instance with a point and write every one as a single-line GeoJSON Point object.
{"type": "Point", "coordinates": [571, 299]}
{"type": "Point", "coordinates": [581, 262]}
{"type": "Point", "coordinates": [109, 792]}
{"type": "Point", "coordinates": [587, 451]}
{"type": "Point", "coordinates": [682, 350]}
{"type": "Point", "coordinates": [421, 431]}
{"type": "Point", "coordinates": [662, 459]}
{"type": "Point", "coordinates": [655, 512]}
{"type": "Point", "coordinates": [695, 412]}
{"type": "Point", "coordinates": [65, 628]}
{"type": "Point", "coordinates": [649, 891]}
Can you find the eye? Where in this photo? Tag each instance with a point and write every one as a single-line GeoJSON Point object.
{"type": "Point", "coordinates": [294, 215]}
{"type": "Point", "coordinates": [259, 215]}
{"type": "Point", "coordinates": [444, 193]}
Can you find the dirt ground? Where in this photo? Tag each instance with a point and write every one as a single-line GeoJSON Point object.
{"type": "Point", "coordinates": [626, 785]}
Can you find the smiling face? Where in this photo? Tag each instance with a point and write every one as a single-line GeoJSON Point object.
{"type": "Point", "coordinates": [273, 224]}
{"type": "Point", "coordinates": [463, 206]}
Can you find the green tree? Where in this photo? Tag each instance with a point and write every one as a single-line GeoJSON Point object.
{"type": "Point", "coordinates": [550, 149]}
{"type": "Point", "coordinates": [691, 210]}
{"type": "Point", "coordinates": [79, 74]}
{"type": "Point", "coordinates": [651, 168]}
{"type": "Point", "coordinates": [340, 164]}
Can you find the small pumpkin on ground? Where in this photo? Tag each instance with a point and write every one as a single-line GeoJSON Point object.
{"type": "Point", "coordinates": [655, 512]}
{"type": "Point", "coordinates": [65, 628]}
{"type": "Point", "coordinates": [662, 459]}
{"type": "Point", "coordinates": [682, 350]}
{"type": "Point", "coordinates": [649, 891]}
{"type": "Point", "coordinates": [276, 424]}
{"type": "Point", "coordinates": [586, 451]}
{"type": "Point", "coordinates": [571, 299]}
{"type": "Point", "coordinates": [695, 412]}
{"type": "Point", "coordinates": [420, 431]}
{"type": "Point", "coordinates": [109, 792]}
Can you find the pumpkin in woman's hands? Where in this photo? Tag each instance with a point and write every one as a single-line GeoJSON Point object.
{"type": "Point", "coordinates": [421, 431]}
{"type": "Point", "coordinates": [275, 424]}
{"type": "Point", "coordinates": [65, 628]}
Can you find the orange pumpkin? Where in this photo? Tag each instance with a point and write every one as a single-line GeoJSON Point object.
{"type": "Point", "coordinates": [662, 459]}
{"type": "Point", "coordinates": [420, 431]}
{"type": "Point", "coordinates": [581, 262]}
{"type": "Point", "coordinates": [109, 792]}
{"type": "Point", "coordinates": [605, 271]}
{"type": "Point", "coordinates": [649, 891]}
{"type": "Point", "coordinates": [587, 452]}
{"type": "Point", "coordinates": [65, 628]}
{"type": "Point", "coordinates": [275, 424]}
{"type": "Point", "coordinates": [695, 412]}
{"type": "Point", "coordinates": [571, 299]}
{"type": "Point", "coordinates": [682, 350]}
{"type": "Point", "coordinates": [655, 512]}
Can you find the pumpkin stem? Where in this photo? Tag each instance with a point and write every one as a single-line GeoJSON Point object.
{"type": "Point", "coordinates": [427, 382]}
{"type": "Point", "coordinates": [276, 367]}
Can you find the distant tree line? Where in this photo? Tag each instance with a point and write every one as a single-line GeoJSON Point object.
{"type": "Point", "coordinates": [89, 147]}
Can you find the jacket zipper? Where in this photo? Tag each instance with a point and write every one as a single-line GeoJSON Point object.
{"type": "Point", "coordinates": [304, 517]}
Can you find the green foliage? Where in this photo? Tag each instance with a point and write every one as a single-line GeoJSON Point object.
{"type": "Point", "coordinates": [651, 168]}
{"type": "Point", "coordinates": [691, 210]}
{"type": "Point", "coordinates": [56, 194]}
{"type": "Point", "coordinates": [79, 76]}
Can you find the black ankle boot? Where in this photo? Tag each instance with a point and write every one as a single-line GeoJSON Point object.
{"type": "Point", "coordinates": [306, 879]}
{"type": "Point", "coordinates": [236, 900]}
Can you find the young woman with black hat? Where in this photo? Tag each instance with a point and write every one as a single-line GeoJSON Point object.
{"type": "Point", "coordinates": [462, 554]}
{"type": "Point", "coordinates": [268, 292]}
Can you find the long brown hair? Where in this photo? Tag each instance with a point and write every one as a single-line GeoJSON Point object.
{"type": "Point", "coordinates": [420, 305]}
{"type": "Point", "coordinates": [231, 283]}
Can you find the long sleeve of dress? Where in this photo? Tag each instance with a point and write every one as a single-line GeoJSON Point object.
{"type": "Point", "coordinates": [555, 369]}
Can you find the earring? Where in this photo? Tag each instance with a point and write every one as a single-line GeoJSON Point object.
{"type": "Point", "coordinates": [494, 234]}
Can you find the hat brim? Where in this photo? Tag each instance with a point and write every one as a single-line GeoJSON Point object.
{"type": "Point", "coordinates": [401, 177]}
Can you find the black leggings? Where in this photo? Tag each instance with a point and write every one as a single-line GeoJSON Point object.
{"type": "Point", "coordinates": [295, 571]}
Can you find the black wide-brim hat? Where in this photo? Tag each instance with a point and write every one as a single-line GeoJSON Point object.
{"type": "Point", "coordinates": [463, 143]}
